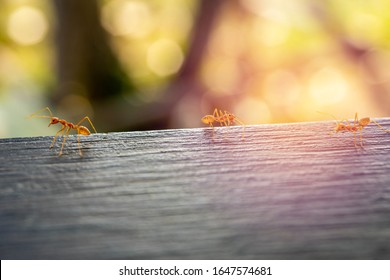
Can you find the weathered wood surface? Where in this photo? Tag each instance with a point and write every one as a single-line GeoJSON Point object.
{"type": "Point", "coordinates": [289, 191]}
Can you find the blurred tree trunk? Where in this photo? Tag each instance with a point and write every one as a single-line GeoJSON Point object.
{"type": "Point", "coordinates": [158, 115]}
{"type": "Point", "coordinates": [85, 62]}
{"type": "Point", "coordinates": [87, 66]}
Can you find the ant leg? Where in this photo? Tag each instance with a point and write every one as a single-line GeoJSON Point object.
{"type": "Point", "coordinates": [222, 119]}
{"type": "Point", "coordinates": [381, 127]}
{"type": "Point", "coordinates": [354, 138]}
{"type": "Point", "coordinates": [361, 138]}
{"type": "Point", "coordinates": [219, 116]}
{"type": "Point", "coordinates": [225, 117]}
{"type": "Point", "coordinates": [241, 123]}
{"type": "Point", "coordinates": [89, 120]}
{"type": "Point", "coordinates": [78, 140]}
{"type": "Point", "coordinates": [225, 122]}
{"type": "Point", "coordinates": [212, 130]}
{"type": "Point", "coordinates": [356, 121]}
{"type": "Point", "coordinates": [55, 137]}
{"type": "Point", "coordinates": [63, 142]}
{"type": "Point", "coordinates": [215, 113]}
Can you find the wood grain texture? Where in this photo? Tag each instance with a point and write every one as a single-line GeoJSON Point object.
{"type": "Point", "coordinates": [288, 191]}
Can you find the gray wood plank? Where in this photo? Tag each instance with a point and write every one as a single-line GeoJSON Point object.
{"type": "Point", "coordinates": [287, 191]}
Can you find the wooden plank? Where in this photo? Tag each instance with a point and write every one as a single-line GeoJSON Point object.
{"type": "Point", "coordinates": [287, 191]}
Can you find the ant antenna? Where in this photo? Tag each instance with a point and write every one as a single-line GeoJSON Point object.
{"type": "Point", "coordinates": [35, 115]}
{"type": "Point", "coordinates": [337, 121]}
{"type": "Point", "coordinates": [328, 115]}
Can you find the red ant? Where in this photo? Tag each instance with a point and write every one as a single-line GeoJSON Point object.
{"type": "Point", "coordinates": [357, 125]}
{"type": "Point", "coordinates": [66, 127]}
{"type": "Point", "coordinates": [225, 118]}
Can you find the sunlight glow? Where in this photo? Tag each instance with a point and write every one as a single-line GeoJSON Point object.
{"type": "Point", "coordinates": [328, 86]}
{"type": "Point", "coordinates": [220, 75]}
{"type": "Point", "coordinates": [27, 26]}
{"type": "Point", "coordinates": [273, 34]}
{"type": "Point", "coordinates": [364, 27]}
{"type": "Point", "coordinates": [253, 110]}
{"type": "Point", "coordinates": [273, 28]}
{"type": "Point", "coordinates": [127, 18]}
{"type": "Point", "coordinates": [164, 57]}
{"type": "Point", "coordinates": [282, 88]}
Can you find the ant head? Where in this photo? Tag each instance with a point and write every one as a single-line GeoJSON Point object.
{"type": "Point", "coordinates": [231, 117]}
{"type": "Point", "coordinates": [208, 119]}
{"type": "Point", "coordinates": [364, 121]}
{"type": "Point", "coordinates": [53, 120]}
{"type": "Point", "coordinates": [83, 130]}
{"type": "Point", "coordinates": [339, 127]}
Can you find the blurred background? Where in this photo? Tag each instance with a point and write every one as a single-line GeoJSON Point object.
{"type": "Point", "coordinates": [151, 64]}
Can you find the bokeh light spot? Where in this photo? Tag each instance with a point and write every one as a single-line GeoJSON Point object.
{"type": "Point", "coordinates": [27, 26]}
{"type": "Point", "coordinates": [164, 57]}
